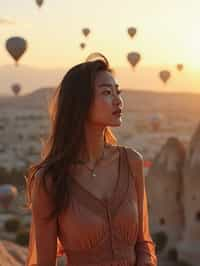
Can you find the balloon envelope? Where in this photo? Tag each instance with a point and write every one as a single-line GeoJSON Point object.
{"type": "Point", "coordinates": [16, 46]}
{"type": "Point", "coordinates": [95, 56]}
{"type": "Point", "coordinates": [7, 194]}
{"type": "Point", "coordinates": [82, 45]}
{"type": "Point", "coordinates": [132, 31]}
{"type": "Point", "coordinates": [179, 66]}
{"type": "Point", "coordinates": [133, 58]}
{"type": "Point", "coordinates": [86, 31]}
{"type": "Point", "coordinates": [39, 2]}
{"type": "Point", "coordinates": [155, 121]}
{"type": "Point", "coordinates": [16, 87]}
{"type": "Point", "coordinates": [147, 163]}
{"type": "Point", "coordinates": [164, 75]}
{"type": "Point", "coordinates": [147, 166]}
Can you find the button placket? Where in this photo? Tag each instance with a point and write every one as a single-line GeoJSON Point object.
{"type": "Point", "coordinates": [109, 218]}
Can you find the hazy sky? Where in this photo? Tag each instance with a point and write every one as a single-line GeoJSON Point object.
{"type": "Point", "coordinates": [168, 31]}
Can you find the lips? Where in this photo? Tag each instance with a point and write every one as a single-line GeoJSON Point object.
{"type": "Point", "coordinates": [118, 111]}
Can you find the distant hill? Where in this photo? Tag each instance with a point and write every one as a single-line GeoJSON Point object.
{"type": "Point", "coordinates": [142, 78]}
{"type": "Point", "coordinates": [36, 99]}
{"type": "Point", "coordinates": [134, 100]}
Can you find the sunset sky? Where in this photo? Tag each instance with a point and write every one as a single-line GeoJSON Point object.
{"type": "Point", "coordinates": [167, 31]}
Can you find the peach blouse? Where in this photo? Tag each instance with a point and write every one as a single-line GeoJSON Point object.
{"type": "Point", "coordinates": [112, 232]}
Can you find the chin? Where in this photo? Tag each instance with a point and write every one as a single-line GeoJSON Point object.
{"type": "Point", "coordinates": [115, 124]}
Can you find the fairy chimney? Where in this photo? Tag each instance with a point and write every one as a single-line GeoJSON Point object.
{"type": "Point", "coordinates": [164, 191]}
{"type": "Point", "coordinates": [189, 247]}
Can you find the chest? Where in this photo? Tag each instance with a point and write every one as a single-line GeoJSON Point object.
{"type": "Point", "coordinates": [101, 186]}
{"type": "Point", "coordinates": [97, 220]}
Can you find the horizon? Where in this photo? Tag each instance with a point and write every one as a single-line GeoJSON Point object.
{"type": "Point", "coordinates": [144, 78]}
{"type": "Point", "coordinates": [54, 32]}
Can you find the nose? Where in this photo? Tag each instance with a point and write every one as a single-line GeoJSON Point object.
{"type": "Point", "coordinates": [117, 100]}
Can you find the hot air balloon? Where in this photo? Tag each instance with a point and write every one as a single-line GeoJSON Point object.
{"type": "Point", "coordinates": [7, 194]}
{"type": "Point", "coordinates": [179, 66]}
{"type": "Point", "coordinates": [131, 31]}
{"type": "Point", "coordinates": [147, 166]}
{"type": "Point", "coordinates": [39, 2]}
{"type": "Point", "coordinates": [133, 58]}
{"type": "Point", "coordinates": [16, 87]}
{"type": "Point", "coordinates": [147, 163]}
{"type": "Point", "coordinates": [86, 31]}
{"type": "Point", "coordinates": [95, 56]}
{"type": "Point", "coordinates": [82, 45]}
{"type": "Point", "coordinates": [155, 121]}
{"type": "Point", "coordinates": [16, 46]}
{"type": "Point", "coordinates": [164, 75]}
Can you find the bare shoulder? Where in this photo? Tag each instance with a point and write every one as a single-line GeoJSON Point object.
{"type": "Point", "coordinates": [133, 154]}
{"type": "Point", "coordinates": [112, 153]}
{"type": "Point", "coordinates": [135, 160]}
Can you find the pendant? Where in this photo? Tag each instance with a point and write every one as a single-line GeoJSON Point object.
{"type": "Point", "coordinates": [93, 174]}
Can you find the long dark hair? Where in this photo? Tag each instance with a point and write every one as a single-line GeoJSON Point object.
{"type": "Point", "coordinates": [68, 111]}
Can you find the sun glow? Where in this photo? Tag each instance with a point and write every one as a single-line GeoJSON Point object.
{"type": "Point", "coordinates": [192, 48]}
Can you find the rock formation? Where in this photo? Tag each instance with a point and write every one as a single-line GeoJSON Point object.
{"type": "Point", "coordinates": [189, 247]}
{"type": "Point", "coordinates": [164, 184]}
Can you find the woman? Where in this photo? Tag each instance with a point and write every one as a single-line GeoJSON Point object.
{"type": "Point", "coordinates": [87, 194]}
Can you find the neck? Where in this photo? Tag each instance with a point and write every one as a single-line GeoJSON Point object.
{"type": "Point", "coordinates": [94, 146]}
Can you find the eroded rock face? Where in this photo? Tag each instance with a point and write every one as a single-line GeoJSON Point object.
{"type": "Point", "coordinates": [12, 254]}
{"type": "Point", "coordinates": [164, 183]}
{"type": "Point", "coordinates": [189, 248]}
{"type": "Point", "coordinates": [192, 189]}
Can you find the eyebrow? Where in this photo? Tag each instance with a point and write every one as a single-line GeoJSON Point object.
{"type": "Point", "coordinates": [108, 85]}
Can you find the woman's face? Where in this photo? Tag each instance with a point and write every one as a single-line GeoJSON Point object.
{"type": "Point", "coordinates": [107, 100]}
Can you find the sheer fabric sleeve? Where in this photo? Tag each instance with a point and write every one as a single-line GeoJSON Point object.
{"type": "Point", "coordinates": [40, 207]}
{"type": "Point", "coordinates": [32, 251]}
{"type": "Point", "coordinates": [145, 247]}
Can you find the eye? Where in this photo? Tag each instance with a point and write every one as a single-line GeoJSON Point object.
{"type": "Point", "coordinates": [107, 92]}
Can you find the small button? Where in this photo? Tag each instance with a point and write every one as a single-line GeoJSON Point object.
{"type": "Point", "coordinates": [108, 214]}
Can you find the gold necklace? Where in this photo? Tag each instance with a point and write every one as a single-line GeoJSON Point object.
{"type": "Point", "coordinates": [97, 161]}
{"type": "Point", "coordinates": [93, 174]}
